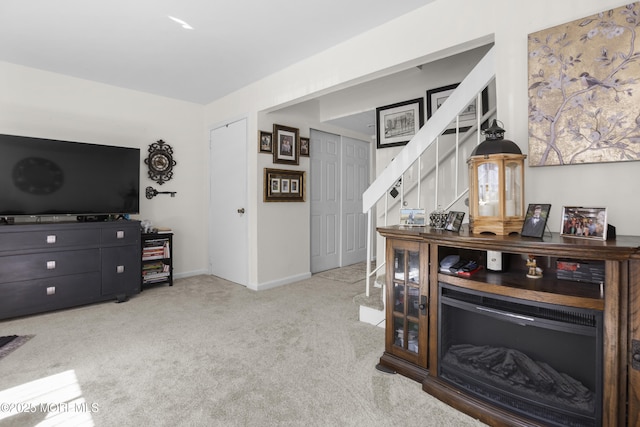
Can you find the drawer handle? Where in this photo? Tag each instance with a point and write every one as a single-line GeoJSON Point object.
{"type": "Point", "coordinates": [51, 238]}
{"type": "Point", "coordinates": [120, 234]}
{"type": "Point", "coordinates": [51, 265]}
{"type": "Point", "coordinates": [120, 269]}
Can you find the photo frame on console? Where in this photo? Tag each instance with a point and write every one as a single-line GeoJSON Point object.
{"type": "Point", "coordinates": [412, 217]}
{"type": "Point", "coordinates": [535, 220]}
{"type": "Point", "coordinates": [584, 222]}
{"type": "Point", "coordinates": [454, 221]}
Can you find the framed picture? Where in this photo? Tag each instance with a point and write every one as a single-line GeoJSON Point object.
{"type": "Point", "coordinates": [304, 147]}
{"type": "Point", "coordinates": [412, 217]}
{"type": "Point", "coordinates": [397, 123]}
{"type": "Point", "coordinates": [274, 184]}
{"type": "Point", "coordinates": [454, 221]}
{"type": "Point", "coordinates": [283, 185]}
{"type": "Point", "coordinates": [588, 223]}
{"type": "Point", "coordinates": [436, 97]}
{"type": "Point", "coordinates": [535, 220]}
{"type": "Point", "coordinates": [286, 147]}
{"type": "Point", "coordinates": [265, 142]}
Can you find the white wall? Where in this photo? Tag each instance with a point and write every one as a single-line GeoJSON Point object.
{"type": "Point", "coordinates": [42, 104]}
{"type": "Point", "coordinates": [606, 184]}
{"type": "Point", "coordinates": [438, 30]}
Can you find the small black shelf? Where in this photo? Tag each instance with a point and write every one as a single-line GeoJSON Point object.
{"type": "Point", "coordinates": [157, 260]}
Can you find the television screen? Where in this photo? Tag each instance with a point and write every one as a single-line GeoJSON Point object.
{"type": "Point", "coordinates": [40, 177]}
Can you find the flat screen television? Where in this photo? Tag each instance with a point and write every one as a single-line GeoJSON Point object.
{"type": "Point", "coordinates": [46, 177]}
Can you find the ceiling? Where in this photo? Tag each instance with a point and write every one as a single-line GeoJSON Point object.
{"type": "Point", "coordinates": [135, 44]}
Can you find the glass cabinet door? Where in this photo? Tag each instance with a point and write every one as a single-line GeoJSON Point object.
{"type": "Point", "coordinates": [407, 303]}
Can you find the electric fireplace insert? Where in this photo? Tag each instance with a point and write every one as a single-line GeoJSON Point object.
{"type": "Point", "coordinates": [542, 361]}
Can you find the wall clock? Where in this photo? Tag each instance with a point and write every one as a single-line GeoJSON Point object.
{"type": "Point", "coordinates": [160, 162]}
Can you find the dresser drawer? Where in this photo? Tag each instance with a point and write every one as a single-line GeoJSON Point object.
{"type": "Point", "coordinates": [34, 296]}
{"type": "Point", "coordinates": [123, 235]}
{"type": "Point", "coordinates": [51, 264]}
{"type": "Point", "coordinates": [51, 239]}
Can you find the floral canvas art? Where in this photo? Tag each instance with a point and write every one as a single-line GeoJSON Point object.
{"type": "Point", "coordinates": [584, 90]}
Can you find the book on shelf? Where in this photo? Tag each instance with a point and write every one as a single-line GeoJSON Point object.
{"type": "Point", "coordinates": [156, 251]}
{"type": "Point", "coordinates": [470, 272]}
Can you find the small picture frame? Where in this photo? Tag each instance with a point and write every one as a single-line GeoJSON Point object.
{"type": "Point", "coordinates": [275, 185]}
{"type": "Point", "coordinates": [412, 217]}
{"type": "Point", "coordinates": [265, 142]}
{"type": "Point", "coordinates": [583, 222]}
{"type": "Point", "coordinates": [454, 221]}
{"type": "Point", "coordinates": [282, 185]}
{"type": "Point", "coordinates": [535, 220]}
{"type": "Point", "coordinates": [304, 147]}
{"type": "Point", "coordinates": [286, 148]}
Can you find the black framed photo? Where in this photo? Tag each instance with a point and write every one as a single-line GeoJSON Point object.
{"type": "Point", "coordinates": [587, 223]}
{"type": "Point", "coordinates": [286, 145]}
{"type": "Point", "coordinates": [436, 97]}
{"type": "Point", "coordinates": [304, 147]}
{"type": "Point", "coordinates": [397, 123]}
{"type": "Point", "coordinates": [535, 220]}
{"type": "Point", "coordinates": [265, 142]}
{"type": "Point", "coordinates": [454, 221]}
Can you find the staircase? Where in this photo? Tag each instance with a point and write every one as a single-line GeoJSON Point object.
{"type": "Point", "coordinates": [424, 162]}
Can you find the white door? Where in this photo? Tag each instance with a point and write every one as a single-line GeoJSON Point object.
{"type": "Point", "coordinates": [355, 180]}
{"type": "Point", "coordinates": [324, 194]}
{"type": "Point", "coordinates": [228, 237]}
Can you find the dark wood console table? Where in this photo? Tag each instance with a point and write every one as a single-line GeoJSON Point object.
{"type": "Point", "coordinates": [414, 280]}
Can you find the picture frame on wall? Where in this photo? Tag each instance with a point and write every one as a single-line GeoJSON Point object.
{"type": "Point", "coordinates": [397, 123]}
{"type": "Point", "coordinates": [265, 142]}
{"type": "Point", "coordinates": [535, 220]}
{"type": "Point", "coordinates": [584, 222]}
{"type": "Point", "coordinates": [282, 185]}
{"type": "Point", "coordinates": [286, 145]}
{"type": "Point", "coordinates": [436, 97]}
{"type": "Point", "coordinates": [304, 147]}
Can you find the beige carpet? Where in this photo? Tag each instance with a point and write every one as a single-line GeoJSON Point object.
{"type": "Point", "coordinates": [350, 274]}
{"type": "Point", "coordinates": [207, 352]}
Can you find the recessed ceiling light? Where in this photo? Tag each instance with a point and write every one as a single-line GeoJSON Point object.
{"type": "Point", "coordinates": [181, 22]}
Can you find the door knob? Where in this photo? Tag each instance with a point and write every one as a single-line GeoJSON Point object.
{"type": "Point", "coordinates": [240, 211]}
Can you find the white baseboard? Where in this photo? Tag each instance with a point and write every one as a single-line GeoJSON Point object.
{"type": "Point", "coordinates": [279, 282]}
{"type": "Point", "coordinates": [190, 274]}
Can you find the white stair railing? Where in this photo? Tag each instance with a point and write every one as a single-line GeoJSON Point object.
{"type": "Point", "coordinates": [472, 86]}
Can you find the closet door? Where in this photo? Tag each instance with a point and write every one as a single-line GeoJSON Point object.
{"type": "Point", "coordinates": [338, 177]}
{"type": "Point", "coordinates": [355, 180]}
{"type": "Point", "coordinates": [325, 200]}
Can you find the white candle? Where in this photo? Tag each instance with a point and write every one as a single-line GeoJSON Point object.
{"type": "Point", "coordinates": [486, 210]}
{"type": "Point", "coordinates": [510, 207]}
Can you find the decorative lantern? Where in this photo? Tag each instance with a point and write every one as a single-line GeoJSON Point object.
{"type": "Point", "coordinates": [496, 185]}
